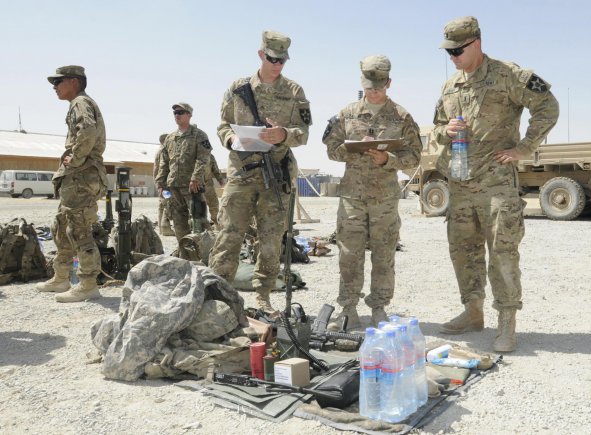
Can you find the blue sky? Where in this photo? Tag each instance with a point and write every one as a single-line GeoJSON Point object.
{"type": "Point", "coordinates": [141, 57]}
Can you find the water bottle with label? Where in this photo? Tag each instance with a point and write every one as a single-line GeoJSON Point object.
{"type": "Point", "coordinates": [407, 373]}
{"type": "Point", "coordinates": [74, 272]}
{"type": "Point", "coordinates": [459, 155]}
{"type": "Point", "coordinates": [418, 341]}
{"type": "Point", "coordinates": [391, 403]}
{"type": "Point", "coordinates": [370, 360]}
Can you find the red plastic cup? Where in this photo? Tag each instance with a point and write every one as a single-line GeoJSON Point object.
{"type": "Point", "coordinates": [257, 352]}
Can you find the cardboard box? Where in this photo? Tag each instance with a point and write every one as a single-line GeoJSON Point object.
{"type": "Point", "coordinates": [293, 371]}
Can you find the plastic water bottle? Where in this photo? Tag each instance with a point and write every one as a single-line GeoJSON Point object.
{"type": "Point", "coordinates": [418, 341]}
{"type": "Point", "coordinates": [459, 155]}
{"type": "Point", "coordinates": [166, 194]}
{"type": "Point", "coordinates": [391, 403]}
{"type": "Point", "coordinates": [74, 272]}
{"type": "Point", "coordinates": [407, 373]}
{"type": "Point", "coordinates": [370, 360]}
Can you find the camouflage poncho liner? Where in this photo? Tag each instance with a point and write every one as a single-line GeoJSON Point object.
{"type": "Point", "coordinates": [161, 297]}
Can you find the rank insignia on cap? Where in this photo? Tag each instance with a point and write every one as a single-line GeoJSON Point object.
{"type": "Point", "coordinates": [306, 116]}
{"type": "Point", "coordinates": [536, 84]}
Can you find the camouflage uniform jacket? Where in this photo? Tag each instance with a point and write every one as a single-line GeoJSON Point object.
{"type": "Point", "coordinates": [185, 157]}
{"type": "Point", "coordinates": [157, 159]}
{"type": "Point", "coordinates": [491, 100]}
{"type": "Point", "coordinates": [283, 101]}
{"type": "Point", "coordinates": [213, 170]}
{"type": "Point", "coordinates": [86, 140]}
{"type": "Point", "coordinates": [363, 178]}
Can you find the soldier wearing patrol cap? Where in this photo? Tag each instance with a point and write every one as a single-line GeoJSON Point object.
{"type": "Point", "coordinates": [79, 183]}
{"type": "Point", "coordinates": [184, 158]}
{"type": "Point", "coordinates": [164, 217]}
{"type": "Point", "coordinates": [369, 190]}
{"type": "Point", "coordinates": [486, 209]}
{"type": "Point", "coordinates": [282, 105]}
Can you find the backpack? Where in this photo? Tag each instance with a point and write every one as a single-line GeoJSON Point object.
{"type": "Point", "coordinates": [21, 257]}
{"type": "Point", "coordinates": [144, 239]}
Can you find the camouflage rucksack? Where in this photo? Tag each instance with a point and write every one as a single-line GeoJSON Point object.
{"type": "Point", "coordinates": [21, 257]}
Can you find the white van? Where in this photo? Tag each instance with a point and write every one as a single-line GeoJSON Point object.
{"type": "Point", "coordinates": [26, 183]}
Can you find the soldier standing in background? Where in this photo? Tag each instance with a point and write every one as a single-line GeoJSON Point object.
{"type": "Point", "coordinates": [211, 196]}
{"type": "Point", "coordinates": [184, 159]}
{"type": "Point", "coordinates": [163, 212]}
{"type": "Point", "coordinates": [369, 190]}
{"type": "Point", "coordinates": [486, 209]}
{"type": "Point", "coordinates": [283, 106]}
{"type": "Point", "coordinates": [80, 182]}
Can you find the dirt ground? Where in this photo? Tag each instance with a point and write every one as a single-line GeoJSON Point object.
{"type": "Point", "coordinates": [47, 387]}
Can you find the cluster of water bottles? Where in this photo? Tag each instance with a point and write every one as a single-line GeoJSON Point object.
{"type": "Point", "coordinates": [393, 378]}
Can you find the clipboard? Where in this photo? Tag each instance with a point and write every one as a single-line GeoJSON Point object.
{"type": "Point", "coordinates": [390, 145]}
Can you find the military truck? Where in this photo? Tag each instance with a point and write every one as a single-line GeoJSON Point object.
{"type": "Point", "coordinates": [559, 174]}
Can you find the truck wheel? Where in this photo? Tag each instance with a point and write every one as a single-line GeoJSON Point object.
{"type": "Point", "coordinates": [562, 199]}
{"type": "Point", "coordinates": [27, 193]}
{"type": "Point", "coordinates": [435, 197]}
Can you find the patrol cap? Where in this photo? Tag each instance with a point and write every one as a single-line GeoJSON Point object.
{"type": "Point", "coordinates": [460, 31]}
{"type": "Point", "coordinates": [67, 71]}
{"type": "Point", "coordinates": [162, 138]}
{"type": "Point", "coordinates": [275, 44]}
{"type": "Point", "coordinates": [375, 71]}
{"type": "Point", "coordinates": [183, 106]}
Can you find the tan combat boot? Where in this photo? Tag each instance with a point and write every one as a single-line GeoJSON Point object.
{"type": "Point", "coordinates": [58, 284]}
{"type": "Point", "coordinates": [86, 289]}
{"type": "Point", "coordinates": [264, 303]}
{"type": "Point", "coordinates": [378, 315]}
{"type": "Point", "coordinates": [472, 319]}
{"type": "Point", "coordinates": [506, 341]}
{"type": "Point", "coordinates": [353, 321]}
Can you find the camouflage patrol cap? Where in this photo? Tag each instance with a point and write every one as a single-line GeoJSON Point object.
{"type": "Point", "coordinates": [460, 31]}
{"type": "Point", "coordinates": [67, 71]}
{"type": "Point", "coordinates": [162, 138]}
{"type": "Point", "coordinates": [375, 71]}
{"type": "Point", "coordinates": [183, 106]}
{"type": "Point", "coordinates": [275, 44]}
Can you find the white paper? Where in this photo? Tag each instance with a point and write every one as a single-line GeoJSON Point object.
{"type": "Point", "coordinates": [248, 139]}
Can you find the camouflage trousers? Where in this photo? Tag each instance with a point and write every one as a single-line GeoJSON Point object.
{"type": "Point", "coordinates": [213, 205]}
{"type": "Point", "coordinates": [72, 226]}
{"type": "Point", "coordinates": [483, 214]}
{"type": "Point", "coordinates": [361, 222]}
{"type": "Point", "coordinates": [242, 200]}
{"type": "Point", "coordinates": [178, 206]}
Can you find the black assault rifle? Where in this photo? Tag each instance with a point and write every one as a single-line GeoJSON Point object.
{"type": "Point", "coordinates": [273, 176]}
{"type": "Point", "coordinates": [320, 337]}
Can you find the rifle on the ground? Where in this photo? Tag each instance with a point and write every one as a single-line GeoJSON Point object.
{"type": "Point", "coordinates": [320, 338]}
{"type": "Point", "coordinates": [273, 176]}
{"type": "Point", "coordinates": [198, 209]}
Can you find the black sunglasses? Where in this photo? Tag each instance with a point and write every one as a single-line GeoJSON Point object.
{"type": "Point", "coordinates": [180, 112]}
{"type": "Point", "coordinates": [275, 60]}
{"type": "Point", "coordinates": [56, 82]}
{"type": "Point", "coordinates": [455, 52]}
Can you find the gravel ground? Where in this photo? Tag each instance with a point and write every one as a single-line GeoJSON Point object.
{"type": "Point", "coordinates": [543, 387]}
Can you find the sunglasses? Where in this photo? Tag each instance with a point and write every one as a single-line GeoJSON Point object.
{"type": "Point", "coordinates": [56, 82]}
{"type": "Point", "coordinates": [455, 52]}
{"type": "Point", "coordinates": [179, 112]}
{"type": "Point", "coordinates": [275, 60]}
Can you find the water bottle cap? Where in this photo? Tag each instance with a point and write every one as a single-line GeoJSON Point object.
{"type": "Point", "coordinates": [402, 328]}
{"type": "Point", "coordinates": [413, 321]}
{"type": "Point", "coordinates": [390, 333]}
{"type": "Point", "coordinates": [166, 194]}
{"type": "Point", "coordinates": [370, 331]}
{"type": "Point", "coordinates": [394, 318]}
{"type": "Point", "coordinates": [382, 324]}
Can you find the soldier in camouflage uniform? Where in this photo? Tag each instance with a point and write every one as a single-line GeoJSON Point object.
{"type": "Point", "coordinates": [283, 106]}
{"type": "Point", "coordinates": [80, 182]}
{"type": "Point", "coordinates": [211, 196]}
{"type": "Point", "coordinates": [486, 209]}
{"type": "Point", "coordinates": [164, 217]}
{"type": "Point", "coordinates": [184, 158]}
{"type": "Point", "coordinates": [369, 190]}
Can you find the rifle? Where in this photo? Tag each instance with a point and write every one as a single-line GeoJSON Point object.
{"type": "Point", "coordinates": [273, 175]}
{"type": "Point", "coordinates": [320, 337]}
{"type": "Point", "coordinates": [287, 263]}
{"type": "Point", "coordinates": [123, 207]}
{"type": "Point", "coordinates": [109, 222]}
{"type": "Point", "coordinates": [198, 209]}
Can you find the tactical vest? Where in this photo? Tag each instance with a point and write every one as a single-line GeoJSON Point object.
{"type": "Point", "coordinates": [21, 257]}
